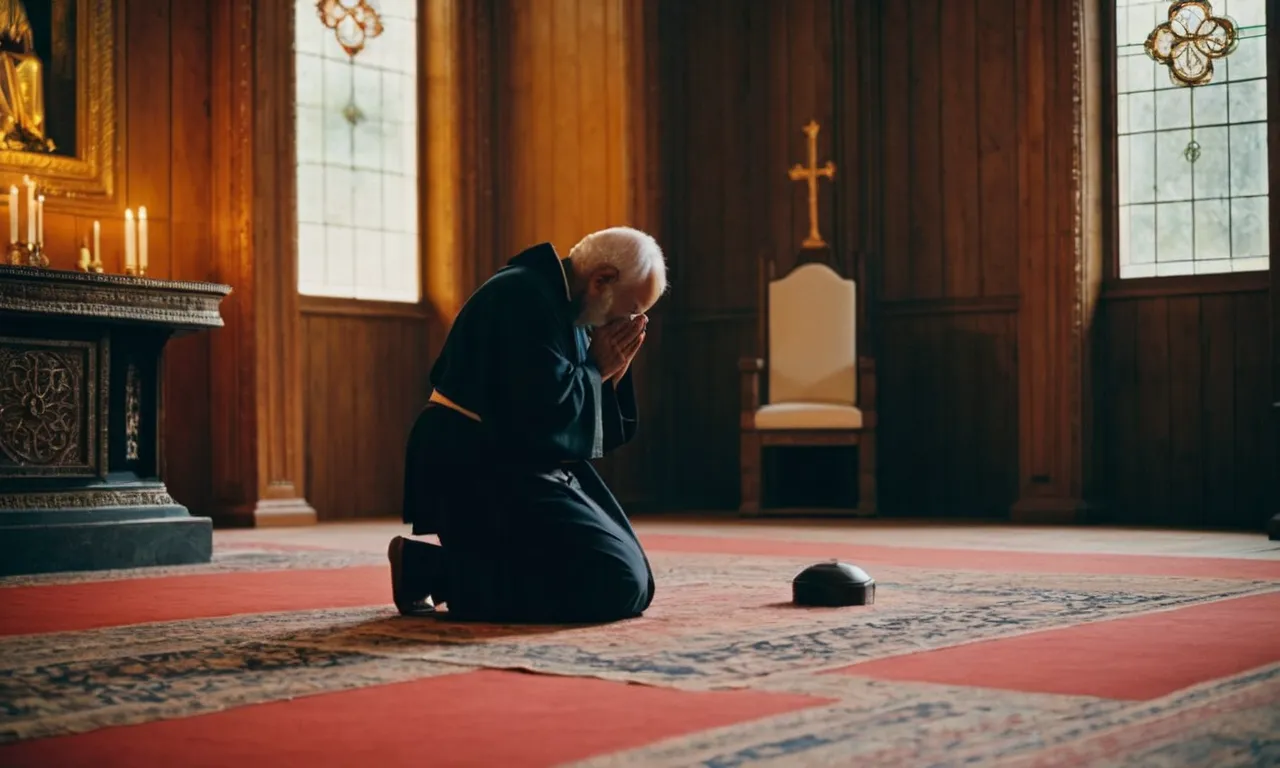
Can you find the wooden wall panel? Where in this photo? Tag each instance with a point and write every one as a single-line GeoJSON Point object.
{"type": "Point", "coordinates": [564, 129]}
{"type": "Point", "coordinates": [925, 137]}
{"type": "Point", "coordinates": [574, 146]}
{"type": "Point", "coordinates": [1185, 435]}
{"type": "Point", "coordinates": [187, 365]}
{"type": "Point", "coordinates": [741, 81]}
{"type": "Point", "coordinates": [951, 126]}
{"type": "Point", "coordinates": [985, 255]}
{"type": "Point", "coordinates": [366, 379]}
{"type": "Point", "coordinates": [949, 440]}
{"type": "Point", "coordinates": [947, 357]}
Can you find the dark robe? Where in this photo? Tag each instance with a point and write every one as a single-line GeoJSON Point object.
{"type": "Point", "coordinates": [530, 532]}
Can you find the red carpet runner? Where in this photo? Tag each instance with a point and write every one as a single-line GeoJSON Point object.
{"type": "Point", "coordinates": [981, 648]}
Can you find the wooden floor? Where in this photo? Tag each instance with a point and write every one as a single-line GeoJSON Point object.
{"type": "Point", "coordinates": [373, 535]}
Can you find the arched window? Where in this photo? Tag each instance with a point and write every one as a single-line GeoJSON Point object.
{"type": "Point", "coordinates": [357, 147]}
{"type": "Point", "coordinates": [1191, 119]}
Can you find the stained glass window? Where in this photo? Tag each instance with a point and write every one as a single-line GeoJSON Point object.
{"type": "Point", "coordinates": [357, 132]}
{"type": "Point", "coordinates": [1192, 159]}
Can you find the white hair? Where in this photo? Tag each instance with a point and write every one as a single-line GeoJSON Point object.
{"type": "Point", "coordinates": [633, 253]}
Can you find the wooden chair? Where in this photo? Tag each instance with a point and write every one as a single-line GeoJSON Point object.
{"type": "Point", "coordinates": [820, 391]}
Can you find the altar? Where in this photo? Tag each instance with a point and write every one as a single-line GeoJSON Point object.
{"type": "Point", "coordinates": [81, 433]}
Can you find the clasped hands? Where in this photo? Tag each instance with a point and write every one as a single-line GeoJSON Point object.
{"type": "Point", "coordinates": [615, 345]}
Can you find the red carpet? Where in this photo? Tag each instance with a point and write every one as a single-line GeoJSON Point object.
{"type": "Point", "coordinates": [1136, 658]}
{"type": "Point", "coordinates": [983, 560]}
{"type": "Point", "coordinates": [89, 605]}
{"type": "Point", "coordinates": [483, 718]}
{"type": "Point", "coordinates": [967, 656]}
{"type": "Point", "coordinates": [73, 607]}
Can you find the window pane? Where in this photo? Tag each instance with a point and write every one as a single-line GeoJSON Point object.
{"type": "Point", "coordinates": [1249, 159]}
{"type": "Point", "coordinates": [1249, 227]}
{"type": "Point", "coordinates": [1213, 230]}
{"type": "Point", "coordinates": [1174, 232]}
{"type": "Point", "coordinates": [1248, 100]}
{"type": "Point", "coordinates": [1249, 61]}
{"type": "Point", "coordinates": [1173, 108]}
{"type": "Point", "coordinates": [1142, 111]}
{"type": "Point", "coordinates": [1142, 168]}
{"type": "Point", "coordinates": [357, 175]}
{"type": "Point", "coordinates": [1191, 160]}
{"type": "Point", "coordinates": [1248, 13]}
{"type": "Point", "coordinates": [1142, 234]}
{"type": "Point", "coordinates": [1209, 105]}
{"type": "Point", "coordinates": [1213, 170]}
{"type": "Point", "coordinates": [1173, 175]}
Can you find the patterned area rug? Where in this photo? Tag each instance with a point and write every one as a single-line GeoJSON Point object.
{"type": "Point", "coordinates": [719, 622]}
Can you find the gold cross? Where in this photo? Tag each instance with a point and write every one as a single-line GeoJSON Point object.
{"type": "Point", "coordinates": [811, 175]}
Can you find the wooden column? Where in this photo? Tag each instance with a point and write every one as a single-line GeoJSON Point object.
{"type": "Point", "coordinates": [1060, 244]}
{"type": "Point", "coordinates": [444, 201]}
{"type": "Point", "coordinates": [1273, 135]}
{"type": "Point", "coordinates": [256, 388]}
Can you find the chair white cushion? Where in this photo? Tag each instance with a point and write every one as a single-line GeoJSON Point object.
{"type": "Point", "coordinates": [812, 337]}
{"type": "Point", "coordinates": [808, 416]}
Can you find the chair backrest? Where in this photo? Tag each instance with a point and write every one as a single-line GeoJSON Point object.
{"type": "Point", "coordinates": [813, 354]}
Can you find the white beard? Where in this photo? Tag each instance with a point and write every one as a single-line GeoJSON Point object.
{"type": "Point", "coordinates": [595, 314]}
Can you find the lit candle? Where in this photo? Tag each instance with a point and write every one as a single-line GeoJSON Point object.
{"type": "Point", "coordinates": [142, 240]}
{"type": "Point", "coordinates": [13, 213]}
{"type": "Point", "coordinates": [97, 243]}
{"type": "Point", "coordinates": [31, 209]}
{"type": "Point", "coordinates": [85, 261]}
{"type": "Point", "coordinates": [40, 220]}
{"type": "Point", "coordinates": [130, 243]}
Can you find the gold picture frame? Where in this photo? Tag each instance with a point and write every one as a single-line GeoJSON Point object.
{"type": "Point", "coordinates": [89, 176]}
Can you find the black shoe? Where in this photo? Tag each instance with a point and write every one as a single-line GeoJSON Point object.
{"type": "Point", "coordinates": [402, 593]}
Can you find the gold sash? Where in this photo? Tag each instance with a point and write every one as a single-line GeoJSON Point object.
{"type": "Point", "coordinates": [440, 399]}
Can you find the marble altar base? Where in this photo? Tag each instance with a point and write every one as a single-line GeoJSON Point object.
{"type": "Point", "coordinates": [81, 427]}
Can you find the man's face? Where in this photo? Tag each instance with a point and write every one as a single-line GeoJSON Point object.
{"type": "Point", "coordinates": [606, 302]}
{"type": "Point", "coordinates": [597, 307]}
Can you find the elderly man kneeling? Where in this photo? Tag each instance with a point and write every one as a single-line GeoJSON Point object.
{"type": "Point", "coordinates": [532, 383]}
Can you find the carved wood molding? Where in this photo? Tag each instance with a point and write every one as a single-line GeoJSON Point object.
{"type": "Point", "coordinates": [1189, 285]}
{"type": "Point", "coordinates": [1060, 233]}
{"type": "Point", "coordinates": [256, 389]}
{"type": "Point", "coordinates": [326, 306]}
{"type": "Point", "coordinates": [457, 145]}
{"type": "Point", "coordinates": [442, 201]}
{"type": "Point", "coordinates": [1273, 137]}
{"type": "Point", "coordinates": [979, 305]}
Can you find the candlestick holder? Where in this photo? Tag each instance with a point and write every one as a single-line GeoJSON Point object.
{"type": "Point", "coordinates": [27, 255]}
{"type": "Point", "coordinates": [86, 264]}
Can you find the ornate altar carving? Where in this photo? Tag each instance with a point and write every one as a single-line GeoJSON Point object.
{"type": "Point", "coordinates": [46, 419]}
{"type": "Point", "coordinates": [80, 437]}
{"type": "Point", "coordinates": [132, 412]}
